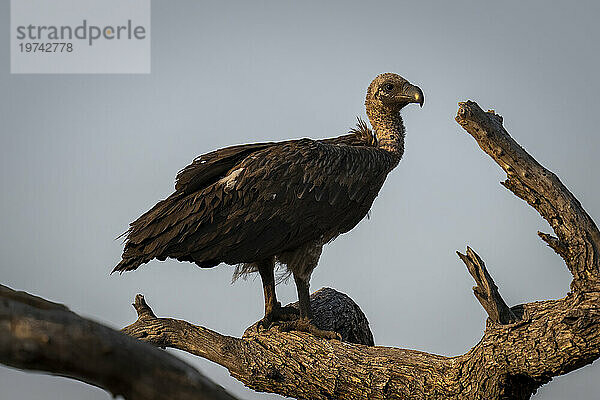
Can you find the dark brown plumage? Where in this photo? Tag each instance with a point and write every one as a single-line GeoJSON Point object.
{"type": "Point", "coordinates": [257, 204]}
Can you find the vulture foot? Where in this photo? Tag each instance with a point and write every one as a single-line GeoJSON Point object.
{"type": "Point", "coordinates": [306, 325]}
{"type": "Point", "coordinates": [279, 314]}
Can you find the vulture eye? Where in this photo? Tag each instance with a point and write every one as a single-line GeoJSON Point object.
{"type": "Point", "coordinates": [388, 87]}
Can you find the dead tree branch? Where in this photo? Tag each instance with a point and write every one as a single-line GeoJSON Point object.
{"type": "Point", "coordinates": [578, 238]}
{"type": "Point", "coordinates": [36, 334]}
{"type": "Point", "coordinates": [522, 347]}
{"type": "Point", "coordinates": [486, 290]}
{"type": "Point", "coordinates": [298, 364]}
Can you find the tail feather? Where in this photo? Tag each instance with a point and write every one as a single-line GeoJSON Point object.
{"type": "Point", "coordinates": [127, 264]}
{"type": "Point", "coordinates": [150, 234]}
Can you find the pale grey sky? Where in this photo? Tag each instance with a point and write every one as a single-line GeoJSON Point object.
{"type": "Point", "coordinates": [83, 155]}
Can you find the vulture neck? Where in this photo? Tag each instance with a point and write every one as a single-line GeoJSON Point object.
{"type": "Point", "coordinates": [389, 130]}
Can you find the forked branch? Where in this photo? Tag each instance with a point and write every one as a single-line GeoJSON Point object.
{"type": "Point", "coordinates": [578, 238]}
{"type": "Point", "coordinates": [523, 347]}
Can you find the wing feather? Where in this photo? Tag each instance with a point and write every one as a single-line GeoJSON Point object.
{"type": "Point", "coordinates": [282, 195]}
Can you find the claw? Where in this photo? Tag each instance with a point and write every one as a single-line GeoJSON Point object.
{"type": "Point", "coordinates": [264, 323]}
{"type": "Point", "coordinates": [278, 315]}
{"type": "Point", "coordinates": [306, 325]}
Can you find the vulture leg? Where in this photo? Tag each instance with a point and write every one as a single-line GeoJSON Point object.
{"type": "Point", "coordinates": [303, 288]}
{"type": "Point", "coordinates": [304, 323]}
{"type": "Point", "coordinates": [273, 310]}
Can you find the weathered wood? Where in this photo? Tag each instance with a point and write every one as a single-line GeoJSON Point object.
{"type": "Point", "coordinates": [551, 338]}
{"type": "Point", "coordinates": [522, 348]}
{"type": "Point", "coordinates": [36, 334]}
{"type": "Point", "coordinates": [298, 364]}
{"type": "Point", "coordinates": [486, 290]}
{"type": "Point", "coordinates": [578, 237]}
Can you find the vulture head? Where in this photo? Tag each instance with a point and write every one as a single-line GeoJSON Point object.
{"type": "Point", "coordinates": [391, 92]}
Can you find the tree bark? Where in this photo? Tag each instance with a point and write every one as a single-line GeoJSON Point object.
{"type": "Point", "coordinates": [522, 347]}
{"type": "Point", "coordinates": [36, 334]}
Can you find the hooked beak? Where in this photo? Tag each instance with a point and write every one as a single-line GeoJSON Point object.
{"type": "Point", "coordinates": [412, 94]}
